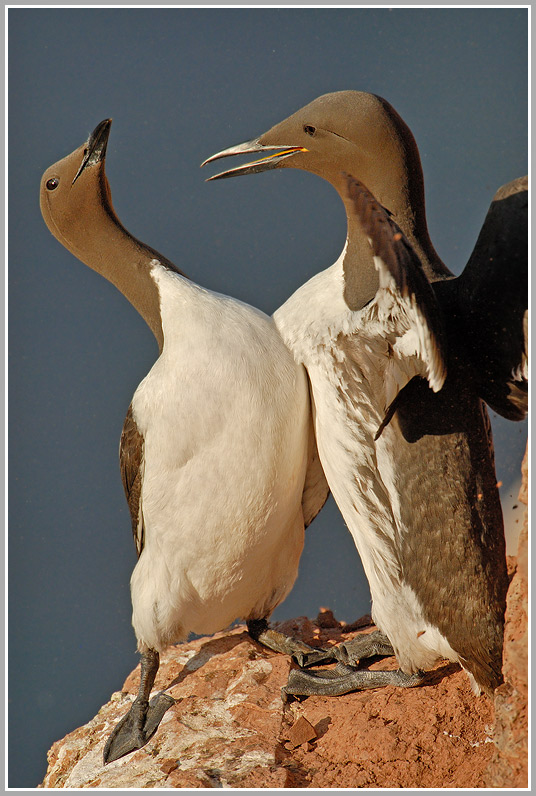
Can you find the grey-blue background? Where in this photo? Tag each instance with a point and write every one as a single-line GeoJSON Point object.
{"type": "Point", "coordinates": [181, 84]}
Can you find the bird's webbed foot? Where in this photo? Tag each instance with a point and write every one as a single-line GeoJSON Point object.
{"type": "Point", "coordinates": [137, 727]}
{"type": "Point", "coordinates": [143, 718]}
{"type": "Point", "coordinates": [365, 645]}
{"type": "Point", "coordinates": [344, 679]}
{"type": "Point", "coordinates": [260, 631]}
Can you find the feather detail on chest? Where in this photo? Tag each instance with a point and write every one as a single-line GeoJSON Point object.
{"type": "Point", "coordinates": [358, 362]}
{"type": "Point", "coordinates": [368, 355]}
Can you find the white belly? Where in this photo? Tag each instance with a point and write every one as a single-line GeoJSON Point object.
{"type": "Point", "coordinates": [362, 478]}
{"type": "Point", "coordinates": [224, 413]}
{"type": "Point", "coordinates": [347, 356]}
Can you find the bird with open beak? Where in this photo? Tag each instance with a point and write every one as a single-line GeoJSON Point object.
{"type": "Point", "coordinates": [391, 341]}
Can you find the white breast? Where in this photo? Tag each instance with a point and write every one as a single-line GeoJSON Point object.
{"type": "Point", "coordinates": [224, 413]}
{"type": "Point", "coordinates": [357, 362]}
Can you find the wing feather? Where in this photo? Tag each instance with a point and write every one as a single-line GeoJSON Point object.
{"type": "Point", "coordinates": [405, 300]}
{"type": "Point", "coordinates": [493, 303]}
{"type": "Point", "coordinates": [131, 463]}
{"type": "Point", "coordinates": [315, 489]}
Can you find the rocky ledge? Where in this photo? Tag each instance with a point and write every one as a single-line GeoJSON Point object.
{"type": "Point", "coordinates": [230, 728]}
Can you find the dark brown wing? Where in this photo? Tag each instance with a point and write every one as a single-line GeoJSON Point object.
{"type": "Point", "coordinates": [315, 488]}
{"type": "Point", "coordinates": [131, 463]}
{"type": "Point", "coordinates": [387, 241]}
{"type": "Point", "coordinates": [493, 302]}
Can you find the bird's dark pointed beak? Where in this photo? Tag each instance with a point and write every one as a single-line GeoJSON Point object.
{"type": "Point", "coordinates": [95, 151]}
{"type": "Point", "coordinates": [264, 163]}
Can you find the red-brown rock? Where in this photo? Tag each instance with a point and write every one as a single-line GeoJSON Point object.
{"type": "Point", "coordinates": [230, 727]}
{"type": "Point", "coordinates": [302, 732]}
{"type": "Point", "coordinates": [509, 767]}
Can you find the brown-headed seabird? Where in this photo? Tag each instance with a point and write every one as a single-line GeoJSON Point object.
{"type": "Point", "coordinates": [407, 453]}
{"type": "Point", "coordinates": [217, 453]}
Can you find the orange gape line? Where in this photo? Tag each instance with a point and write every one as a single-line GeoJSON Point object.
{"type": "Point", "coordinates": [278, 154]}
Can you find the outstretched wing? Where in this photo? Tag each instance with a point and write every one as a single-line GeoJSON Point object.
{"type": "Point", "coordinates": [493, 303]}
{"type": "Point", "coordinates": [131, 463]}
{"type": "Point", "coordinates": [405, 299]}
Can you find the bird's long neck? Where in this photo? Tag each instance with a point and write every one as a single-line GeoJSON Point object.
{"type": "Point", "coordinates": [98, 239]}
{"type": "Point", "coordinates": [407, 207]}
{"type": "Point", "coordinates": [401, 190]}
{"type": "Point", "coordinates": [393, 173]}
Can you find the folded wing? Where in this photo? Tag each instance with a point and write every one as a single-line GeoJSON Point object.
{"type": "Point", "coordinates": [405, 302]}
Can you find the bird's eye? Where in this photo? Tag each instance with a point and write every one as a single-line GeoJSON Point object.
{"type": "Point", "coordinates": [309, 129]}
{"type": "Point", "coordinates": [52, 184]}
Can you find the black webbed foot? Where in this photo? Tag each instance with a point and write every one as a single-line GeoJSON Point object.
{"type": "Point", "coordinates": [128, 734]}
{"type": "Point", "coordinates": [260, 630]}
{"type": "Point", "coordinates": [158, 706]}
{"type": "Point", "coordinates": [137, 727]}
{"type": "Point", "coordinates": [344, 679]}
{"type": "Point", "coordinates": [143, 718]}
{"type": "Point", "coordinates": [366, 645]}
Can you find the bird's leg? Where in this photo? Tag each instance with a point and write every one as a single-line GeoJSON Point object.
{"type": "Point", "coordinates": [365, 645]}
{"type": "Point", "coordinates": [260, 630]}
{"type": "Point", "coordinates": [141, 721]}
{"type": "Point", "coordinates": [344, 679]}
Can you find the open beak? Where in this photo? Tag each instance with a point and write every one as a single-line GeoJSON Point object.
{"type": "Point", "coordinates": [95, 147]}
{"type": "Point", "coordinates": [264, 163]}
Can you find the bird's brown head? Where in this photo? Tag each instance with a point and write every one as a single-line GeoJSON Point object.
{"type": "Point", "coordinates": [349, 132]}
{"type": "Point", "coordinates": [345, 131]}
{"type": "Point", "coordinates": [75, 189]}
{"type": "Point", "coordinates": [77, 207]}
